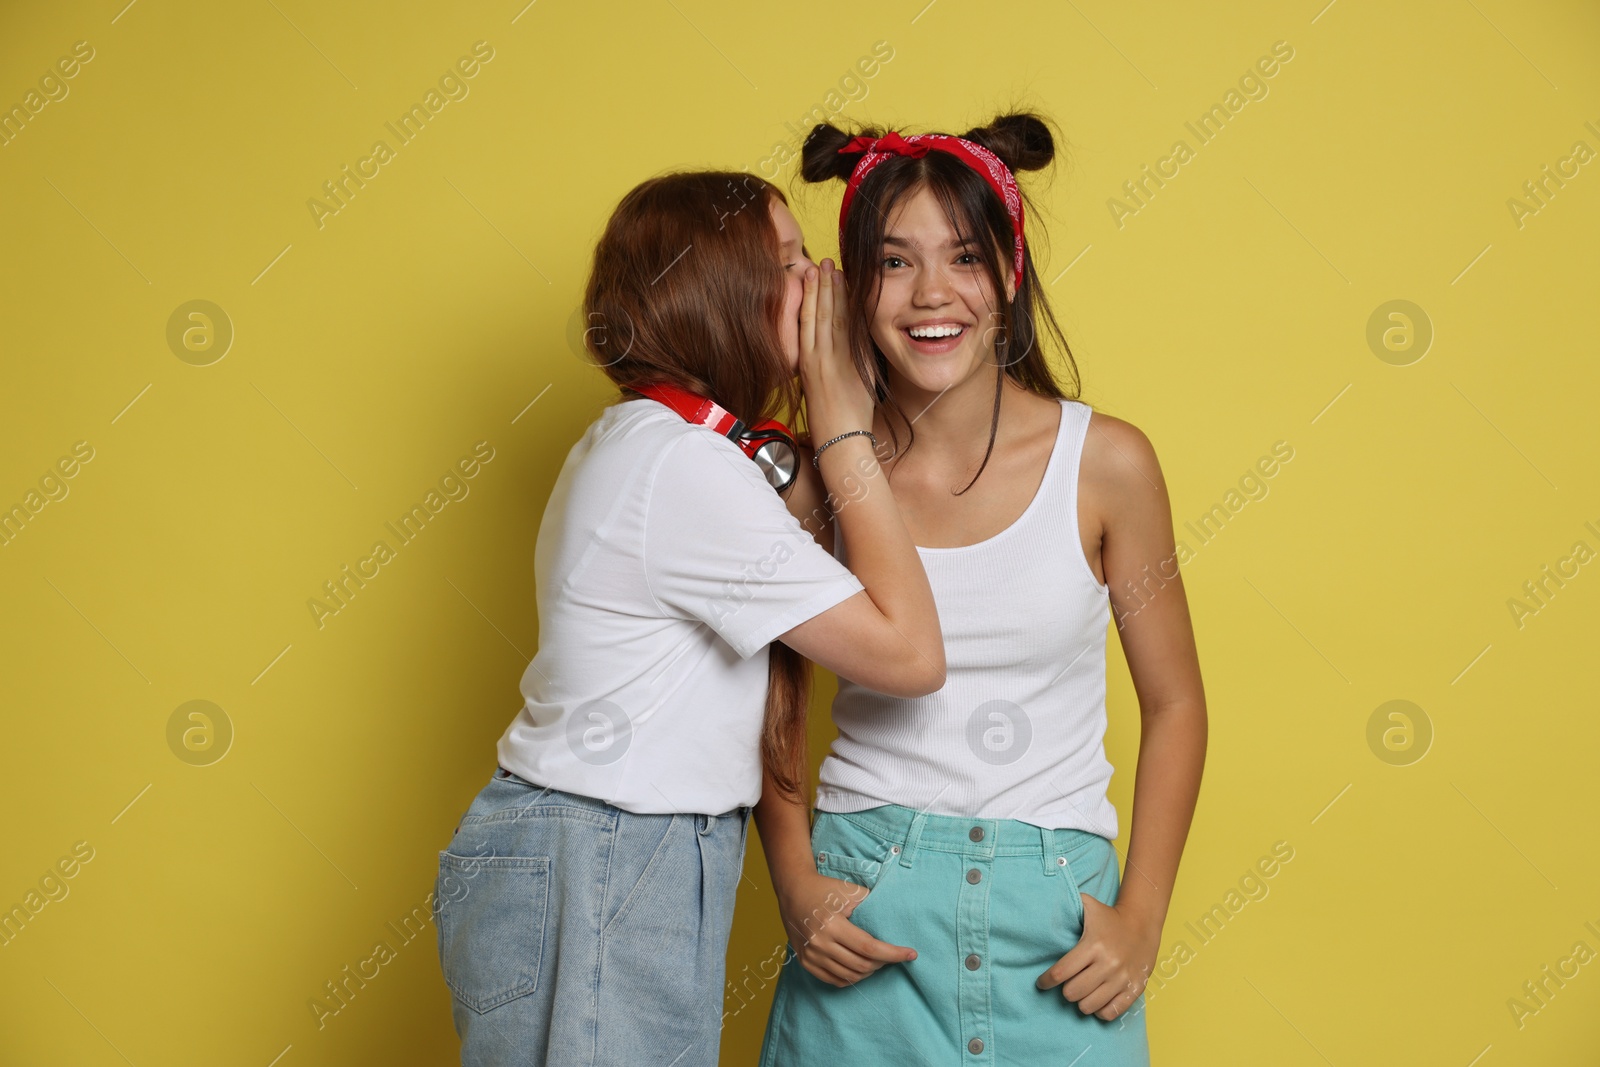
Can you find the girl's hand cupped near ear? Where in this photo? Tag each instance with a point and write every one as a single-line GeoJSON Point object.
{"type": "Point", "coordinates": [836, 398]}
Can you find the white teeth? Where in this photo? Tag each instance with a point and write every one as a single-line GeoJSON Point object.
{"type": "Point", "coordinates": [926, 333]}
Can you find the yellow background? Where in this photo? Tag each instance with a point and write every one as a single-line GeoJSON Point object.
{"type": "Point", "coordinates": [369, 354]}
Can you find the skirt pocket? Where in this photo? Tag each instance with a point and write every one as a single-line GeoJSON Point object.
{"type": "Point", "coordinates": [491, 916]}
{"type": "Point", "coordinates": [1070, 885]}
{"type": "Point", "coordinates": [1091, 870]}
{"type": "Point", "coordinates": [851, 855]}
{"type": "Point", "coordinates": [862, 872]}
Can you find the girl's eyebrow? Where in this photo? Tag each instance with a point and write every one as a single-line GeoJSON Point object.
{"type": "Point", "coordinates": [903, 242]}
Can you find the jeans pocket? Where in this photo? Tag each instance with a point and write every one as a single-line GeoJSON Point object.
{"type": "Point", "coordinates": [491, 915]}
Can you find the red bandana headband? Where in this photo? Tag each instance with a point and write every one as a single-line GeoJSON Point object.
{"type": "Point", "coordinates": [980, 159]}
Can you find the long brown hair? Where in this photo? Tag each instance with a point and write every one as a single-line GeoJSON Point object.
{"type": "Point", "coordinates": [1023, 142]}
{"type": "Point", "coordinates": [687, 288]}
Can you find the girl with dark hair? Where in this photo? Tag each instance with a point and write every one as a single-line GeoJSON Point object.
{"type": "Point", "coordinates": [585, 900]}
{"type": "Point", "coordinates": [958, 898]}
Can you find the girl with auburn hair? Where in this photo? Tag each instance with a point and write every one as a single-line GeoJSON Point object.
{"type": "Point", "coordinates": [585, 900]}
{"type": "Point", "coordinates": [958, 898]}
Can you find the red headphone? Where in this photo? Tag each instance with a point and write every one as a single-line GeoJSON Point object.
{"type": "Point", "coordinates": [768, 442]}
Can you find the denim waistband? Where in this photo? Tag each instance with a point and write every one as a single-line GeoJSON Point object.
{"type": "Point", "coordinates": [914, 830]}
{"type": "Point", "coordinates": [551, 795]}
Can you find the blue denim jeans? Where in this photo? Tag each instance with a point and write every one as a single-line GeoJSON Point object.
{"type": "Point", "coordinates": [572, 932]}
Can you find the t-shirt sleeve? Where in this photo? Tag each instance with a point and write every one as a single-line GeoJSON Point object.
{"type": "Point", "coordinates": [721, 547]}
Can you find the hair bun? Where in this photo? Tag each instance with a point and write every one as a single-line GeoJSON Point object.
{"type": "Point", "coordinates": [1022, 141]}
{"type": "Point", "coordinates": [820, 159]}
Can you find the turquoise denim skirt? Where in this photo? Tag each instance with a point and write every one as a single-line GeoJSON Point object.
{"type": "Point", "coordinates": [989, 905]}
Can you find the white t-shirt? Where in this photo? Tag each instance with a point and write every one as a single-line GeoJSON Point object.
{"type": "Point", "coordinates": [665, 566]}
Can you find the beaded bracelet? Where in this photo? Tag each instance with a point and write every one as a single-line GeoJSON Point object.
{"type": "Point", "coordinates": [817, 455]}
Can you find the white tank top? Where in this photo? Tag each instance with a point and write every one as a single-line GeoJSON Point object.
{"type": "Point", "coordinates": [1018, 730]}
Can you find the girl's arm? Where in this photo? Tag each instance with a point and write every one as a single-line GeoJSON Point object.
{"type": "Point", "coordinates": [887, 637]}
{"type": "Point", "coordinates": [1111, 964]}
{"type": "Point", "coordinates": [815, 908]}
{"type": "Point", "coordinates": [861, 639]}
{"type": "Point", "coordinates": [807, 499]}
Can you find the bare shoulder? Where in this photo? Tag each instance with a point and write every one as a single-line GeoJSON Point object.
{"type": "Point", "coordinates": [1120, 479]}
{"type": "Point", "coordinates": [1119, 464]}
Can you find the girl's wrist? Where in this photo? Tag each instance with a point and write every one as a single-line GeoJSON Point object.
{"type": "Point", "coordinates": [822, 435]}
{"type": "Point", "coordinates": [838, 439]}
{"type": "Point", "coordinates": [790, 864]}
{"type": "Point", "coordinates": [836, 411]}
{"type": "Point", "coordinates": [847, 458]}
{"type": "Point", "coordinates": [798, 889]}
{"type": "Point", "coordinates": [1151, 914]}
{"type": "Point", "coordinates": [824, 425]}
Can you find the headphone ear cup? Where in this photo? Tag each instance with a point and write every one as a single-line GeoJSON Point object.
{"type": "Point", "coordinates": [778, 460]}
{"type": "Point", "coordinates": [773, 448]}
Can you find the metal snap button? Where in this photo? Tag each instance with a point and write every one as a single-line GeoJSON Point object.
{"type": "Point", "coordinates": [894, 850]}
{"type": "Point", "coordinates": [975, 1046]}
{"type": "Point", "coordinates": [976, 833]}
{"type": "Point", "coordinates": [822, 857]}
{"type": "Point", "coordinates": [1061, 861]}
{"type": "Point", "coordinates": [974, 876]}
{"type": "Point", "coordinates": [973, 962]}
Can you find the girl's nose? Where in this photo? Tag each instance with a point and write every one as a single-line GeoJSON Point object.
{"type": "Point", "coordinates": [932, 287]}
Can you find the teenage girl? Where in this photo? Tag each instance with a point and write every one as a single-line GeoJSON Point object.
{"type": "Point", "coordinates": [958, 899]}
{"type": "Point", "coordinates": [585, 901]}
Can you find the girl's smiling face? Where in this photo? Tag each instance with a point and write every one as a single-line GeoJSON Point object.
{"type": "Point", "coordinates": [935, 304]}
{"type": "Point", "coordinates": [792, 246]}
